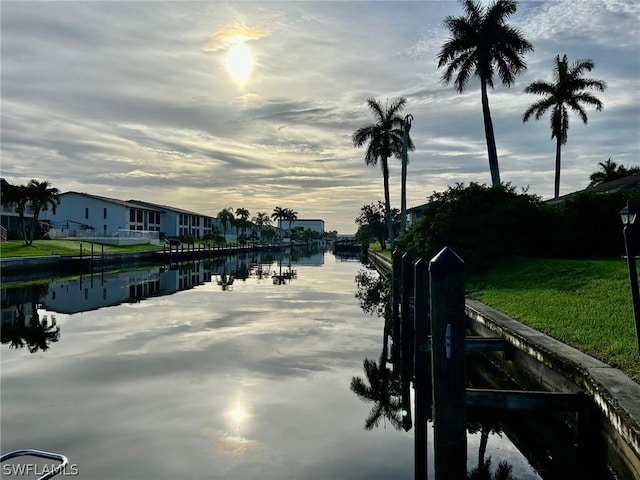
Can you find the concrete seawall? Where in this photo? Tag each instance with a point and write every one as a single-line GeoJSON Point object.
{"type": "Point", "coordinates": [560, 367]}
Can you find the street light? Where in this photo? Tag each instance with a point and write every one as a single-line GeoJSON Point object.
{"type": "Point", "coordinates": [628, 217]}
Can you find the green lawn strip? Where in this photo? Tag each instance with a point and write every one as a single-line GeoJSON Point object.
{"type": "Point", "coordinates": [39, 248]}
{"type": "Point", "coordinates": [584, 303]}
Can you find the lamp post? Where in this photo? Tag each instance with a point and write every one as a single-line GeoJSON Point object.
{"type": "Point", "coordinates": [628, 216]}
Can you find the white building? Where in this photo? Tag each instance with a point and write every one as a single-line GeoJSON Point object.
{"type": "Point", "coordinates": [104, 216]}
{"type": "Point", "coordinates": [176, 222]}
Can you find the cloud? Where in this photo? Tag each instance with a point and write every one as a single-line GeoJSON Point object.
{"type": "Point", "coordinates": [232, 33]}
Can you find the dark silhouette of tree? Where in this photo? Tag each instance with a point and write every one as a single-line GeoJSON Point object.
{"type": "Point", "coordinates": [372, 224]}
{"type": "Point", "coordinates": [407, 145]}
{"type": "Point", "coordinates": [610, 171]}
{"type": "Point", "coordinates": [382, 390]}
{"type": "Point", "coordinates": [40, 196]}
{"type": "Point", "coordinates": [483, 45]}
{"type": "Point", "coordinates": [290, 216]}
{"type": "Point", "coordinates": [226, 219]}
{"type": "Point", "coordinates": [568, 91]}
{"type": "Point", "coordinates": [384, 138]}
{"type": "Point", "coordinates": [261, 220]}
{"type": "Point", "coordinates": [242, 220]}
{"type": "Point", "coordinates": [30, 331]}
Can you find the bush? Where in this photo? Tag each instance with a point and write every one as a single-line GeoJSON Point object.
{"type": "Point", "coordinates": [485, 224]}
{"type": "Point", "coordinates": [481, 224]}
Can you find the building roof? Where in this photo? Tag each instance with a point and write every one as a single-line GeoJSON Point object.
{"type": "Point", "coordinates": [107, 199]}
{"type": "Point", "coordinates": [624, 184]}
{"type": "Point", "coordinates": [167, 207]}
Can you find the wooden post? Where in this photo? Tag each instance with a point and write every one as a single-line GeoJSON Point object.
{"type": "Point", "coordinates": [91, 261]}
{"type": "Point", "coordinates": [422, 368]}
{"type": "Point", "coordinates": [406, 331]}
{"type": "Point", "coordinates": [448, 359]}
{"type": "Point", "coordinates": [395, 312]}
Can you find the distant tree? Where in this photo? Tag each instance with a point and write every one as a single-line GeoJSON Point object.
{"type": "Point", "coordinates": [371, 223]}
{"type": "Point", "coordinates": [226, 219]}
{"type": "Point", "coordinates": [481, 44]}
{"type": "Point", "coordinates": [610, 171]}
{"type": "Point", "coordinates": [290, 216]}
{"type": "Point", "coordinates": [384, 138]}
{"type": "Point", "coordinates": [39, 196]}
{"type": "Point", "coordinates": [279, 214]}
{"type": "Point", "coordinates": [567, 92]}
{"type": "Point", "coordinates": [242, 219]}
{"type": "Point", "coordinates": [261, 220]}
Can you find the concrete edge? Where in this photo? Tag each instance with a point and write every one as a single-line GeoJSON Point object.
{"type": "Point", "coordinates": [615, 394]}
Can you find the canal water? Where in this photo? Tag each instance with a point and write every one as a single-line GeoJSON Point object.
{"type": "Point", "coordinates": [237, 368]}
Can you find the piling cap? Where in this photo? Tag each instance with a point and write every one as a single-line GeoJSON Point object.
{"type": "Point", "coordinates": [446, 261]}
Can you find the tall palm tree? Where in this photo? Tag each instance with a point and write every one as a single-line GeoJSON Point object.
{"type": "Point", "coordinates": [407, 144]}
{"type": "Point", "coordinates": [291, 216]}
{"type": "Point", "coordinates": [567, 92]}
{"type": "Point", "coordinates": [279, 214]}
{"type": "Point", "coordinates": [261, 219]}
{"type": "Point", "coordinates": [242, 214]}
{"type": "Point", "coordinates": [482, 44]}
{"type": "Point", "coordinates": [384, 139]}
{"type": "Point", "coordinates": [40, 195]}
{"type": "Point", "coordinates": [226, 219]}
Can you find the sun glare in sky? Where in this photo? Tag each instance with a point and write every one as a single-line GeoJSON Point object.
{"type": "Point", "coordinates": [239, 62]}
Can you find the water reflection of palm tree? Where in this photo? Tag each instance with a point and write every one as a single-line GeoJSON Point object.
{"type": "Point", "coordinates": [32, 332]}
{"type": "Point", "coordinates": [225, 281]}
{"type": "Point", "coordinates": [383, 390]}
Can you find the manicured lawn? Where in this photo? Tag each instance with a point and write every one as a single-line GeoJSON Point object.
{"type": "Point", "coordinates": [17, 248]}
{"type": "Point", "coordinates": [584, 303]}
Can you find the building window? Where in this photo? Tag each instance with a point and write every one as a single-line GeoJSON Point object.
{"type": "Point", "coordinates": [104, 228]}
{"type": "Point", "coordinates": [139, 216]}
{"type": "Point", "coordinates": [86, 212]}
{"type": "Point", "coordinates": [132, 215]}
{"type": "Point", "coordinates": [104, 212]}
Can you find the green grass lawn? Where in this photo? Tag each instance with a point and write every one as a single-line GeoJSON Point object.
{"type": "Point", "coordinates": [583, 303]}
{"type": "Point", "coordinates": [17, 248]}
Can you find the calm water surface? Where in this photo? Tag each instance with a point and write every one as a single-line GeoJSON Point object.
{"type": "Point", "coordinates": [230, 378]}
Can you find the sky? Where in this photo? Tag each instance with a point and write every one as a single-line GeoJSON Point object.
{"type": "Point", "coordinates": [139, 100]}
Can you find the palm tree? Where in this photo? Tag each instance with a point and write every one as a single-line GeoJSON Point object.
{"type": "Point", "coordinates": [385, 140]}
{"type": "Point", "coordinates": [407, 145]}
{"type": "Point", "coordinates": [610, 171]}
{"type": "Point", "coordinates": [291, 216]}
{"type": "Point", "coordinates": [482, 44]}
{"type": "Point", "coordinates": [243, 215]}
{"type": "Point", "coordinates": [279, 214]}
{"type": "Point", "coordinates": [568, 91]}
{"type": "Point", "coordinates": [261, 219]}
{"type": "Point", "coordinates": [15, 195]}
{"type": "Point", "coordinates": [40, 195]}
{"type": "Point", "coordinates": [226, 219]}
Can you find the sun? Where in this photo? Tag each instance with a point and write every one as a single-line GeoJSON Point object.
{"type": "Point", "coordinates": [239, 62]}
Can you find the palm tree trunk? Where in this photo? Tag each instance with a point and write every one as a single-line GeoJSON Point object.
{"type": "Point", "coordinates": [489, 135]}
{"type": "Point", "coordinates": [34, 224]}
{"type": "Point", "coordinates": [403, 194]}
{"type": "Point", "coordinates": [387, 202]}
{"type": "Point", "coordinates": [556, 189]}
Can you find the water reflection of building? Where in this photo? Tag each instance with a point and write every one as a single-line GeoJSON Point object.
{"type": "Point", "coordinates": [97, 291]}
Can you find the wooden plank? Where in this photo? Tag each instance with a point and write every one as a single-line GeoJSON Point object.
{"type": "Point", "coordinates": [524, 400]}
